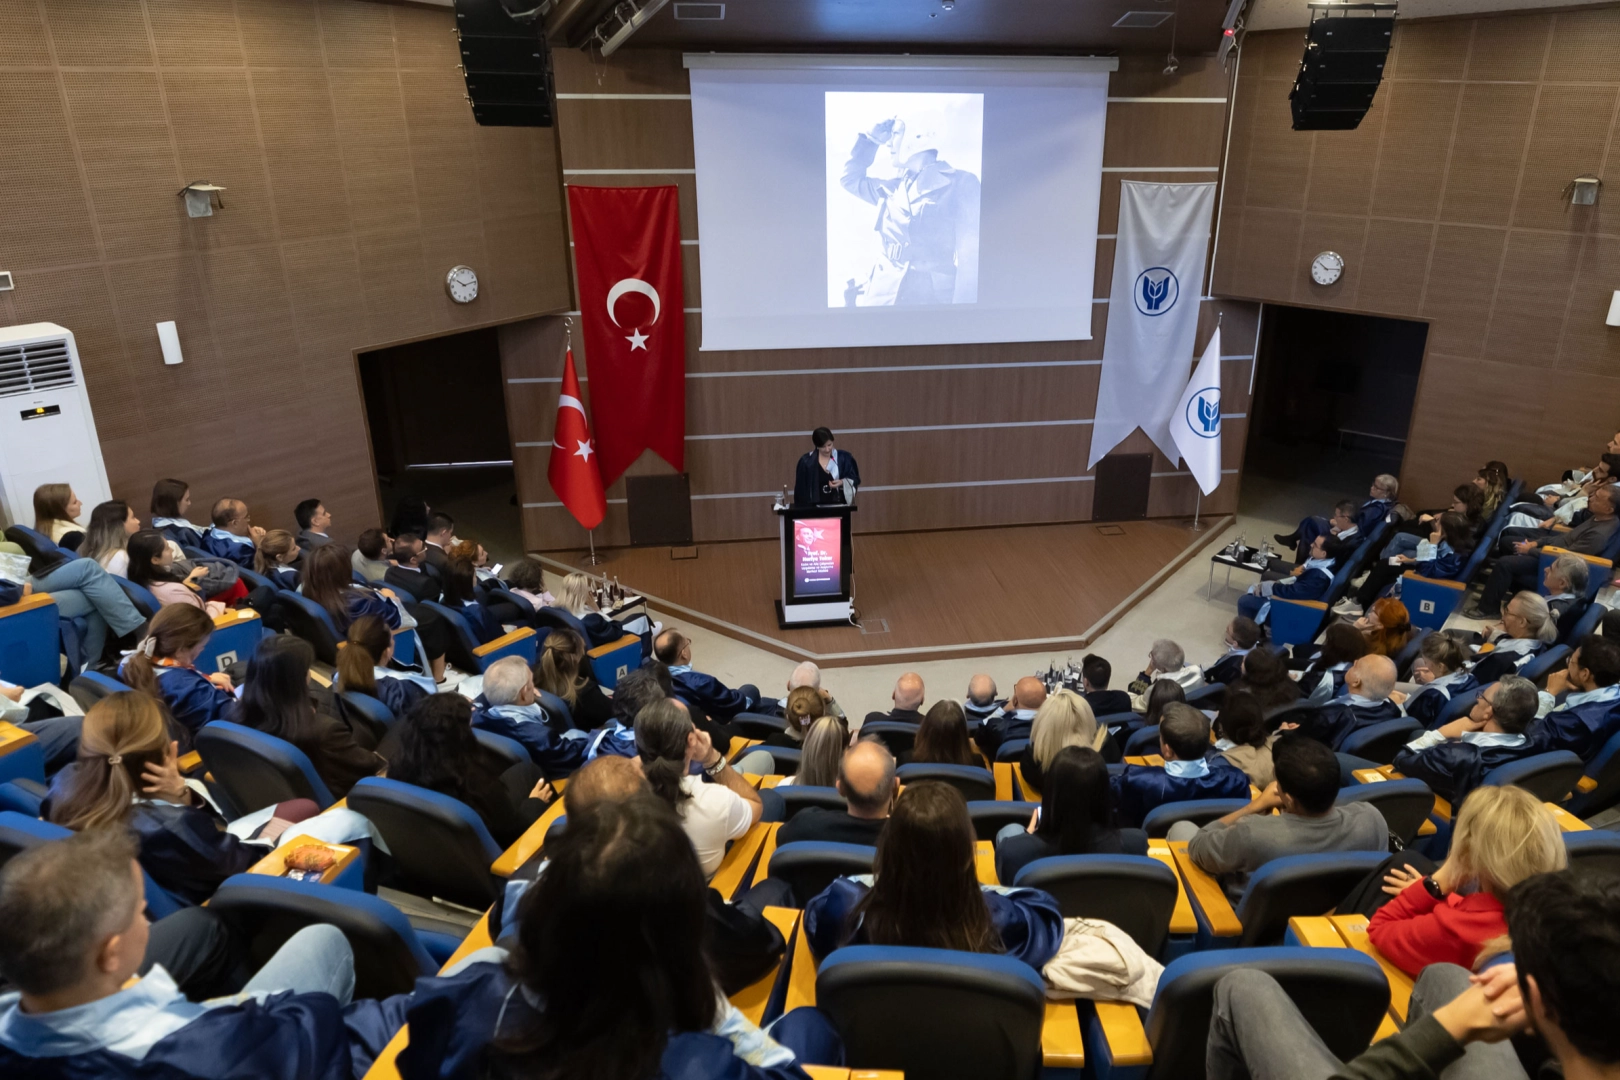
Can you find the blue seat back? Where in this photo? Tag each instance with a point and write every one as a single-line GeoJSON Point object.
{"type": "Point", "coordinates": [990, 816]}
{"type": "Point", "coordinates": [1380, 742]}
{"type": "Point", "coordinates": [1605, 770]}
{"type": "Point", "coordinates": [308, 620]}
{"type": "Point", "coordinates": [20, 831]}
{"type": "Point", "coordinates": [254, 580]}
{"type": "Point", "coordinates": [139, 595]}
{"type": "Point", "coordinates": [556, 618]}
{"type": "Point", "coordinates": [1143, 740]}
{"type": "Point", "coordinates": [1208, 696]}
{"type": "Point", "coordinates": [809, 866]}
{"type": "Point", "coordinates": [524, 608]}
{"type": "Point", "coordinates": [388, 956]}
{"type": "Point", "coordinates": [1594, 851]}
{"type": "Point", "coordinates": [897, 735]}
{"type": "Point", "coordinates": [89, 687]}
{"type": "Point", "coordinates": [371, 708]}
{"type": "Point", "coordinates": [1135, 893]}
{"type": "Point", "coordinates": [1198, 811]}
{"type": "Point", "coordinates": [1405, 804]}
{"type": "Point", "coordinates": [510, 751]}
{"type": "Point", "coordinates": [1538, 667]}
{"type": "Point", "coordinates": [1115, 721]}
{"type": "Point", "coordinates": [1407, 653]}
{"type": "Point", "coordinates": [796, 797]}
{"type": "Point", "coordinates": [616, 659]}
{"type": "Point", "coordinates": [1458, 707]}
{"type": "Point", "coordinates": [757, 725]}
{"type": "Point", "coordinates": [439, 844]}
{"type": "Point", "coordinates": [1011, 750]}
{"type": "Point", "coordinates": [786, 758]}
{"type": "Point", "coordinates": [1343, 995]}
{"type": "Point", "coordinates": [1588, 621]}
{"type": "Point", "coordinates": [1549, 777]}
{"type": "Point", "coordinates": [255, 770]}
{"type": "Point", "coordinates": [1299, 885]}
{"type": "Point", "coordinates": [34, 542]}
{"type": "Point", "coordinates": [935, 1013]}
{"type": "Point", "coordinates": [972, 781]}
{"type": "Point", "coordinates": [23, 796]}
{"type": "Point", "coordinates": [463, 642]}
{"type": "Point", "coordinates": [559, 715]}
{"type": "Point", "coordinates": [31, 644]}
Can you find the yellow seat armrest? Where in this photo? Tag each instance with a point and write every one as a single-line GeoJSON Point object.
{"type": "Point", "coordinates": [739, 859]}
{"type": "Point", "coordinates": [984, 859]}
{"type": "Point", "coordinates": [1061, 1044]}
{"type": "Point", "coordinates": [504, 640]}
{"type": "Point", "coordinates": [1182, 919]}
{"type": "Point", "coordinates": [1207, 894]}
{"type": "Point", "coordinates": [530, 842]}
{"type": "Point", "coordinates": [1122, 1028]}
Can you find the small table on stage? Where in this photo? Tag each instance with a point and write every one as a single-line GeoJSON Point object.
{"type": "Point", "coordinates": [816, 566]}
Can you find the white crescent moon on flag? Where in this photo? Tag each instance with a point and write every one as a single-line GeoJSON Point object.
{"type": "Point", "coordinates": [632, 285]}
{"type": "Point", "coordinates": [568, 401]}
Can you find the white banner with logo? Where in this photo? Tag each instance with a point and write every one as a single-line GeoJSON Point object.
{"type": "Point", "coordinates": [1196, 424]}
{"type": "Point", "coordinates": [1152, 311]}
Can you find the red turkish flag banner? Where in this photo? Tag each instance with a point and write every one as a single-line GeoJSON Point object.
{"type": "Point", "coordinates": [627, 260]}
{"type": "Point", "coordinates": [573, 468]}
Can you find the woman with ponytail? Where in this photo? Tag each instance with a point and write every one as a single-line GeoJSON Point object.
{"type": "Point", "coordinates": [561, 670]}
{"type": "Point", "coordinates": [362, 668]}
{"type": "Point", "coordinates": [711, 813]}
{"type": "Point", "coordinates": [127, 775]}
{"type": "Point", "coordinates": [164, 666]}
{"type": "Point", "coordinates": [274, 555]}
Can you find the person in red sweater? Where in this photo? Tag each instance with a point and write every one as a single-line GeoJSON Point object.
{"type": "Point", "coordinates": [1503, 835]}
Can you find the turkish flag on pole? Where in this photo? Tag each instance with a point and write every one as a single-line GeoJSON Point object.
{"type": "Point", "coordinates": [627, 260]}
{"type": "Point", "coordinates": [572, 471]}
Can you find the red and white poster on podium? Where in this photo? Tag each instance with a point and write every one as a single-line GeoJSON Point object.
{"type": "Point", "coordinates": [818, 557]}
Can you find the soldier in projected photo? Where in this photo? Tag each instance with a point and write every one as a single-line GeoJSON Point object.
{"type": "Point", "coordinates": [927, 222]}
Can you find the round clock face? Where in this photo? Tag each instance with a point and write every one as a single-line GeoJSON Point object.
{"type": "Point", "coordinates": [1326, 267]}
{"type": "Point", "coordinates": [462, 284]}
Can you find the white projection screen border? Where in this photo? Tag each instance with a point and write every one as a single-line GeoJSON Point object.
{"type": "Point", "coordinates": [848, 201]}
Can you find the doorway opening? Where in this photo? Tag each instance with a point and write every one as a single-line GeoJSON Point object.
{"type": "Point", "coordinates": [1332, 403]}
{"type": "Point", "coordinates": [437, 413]}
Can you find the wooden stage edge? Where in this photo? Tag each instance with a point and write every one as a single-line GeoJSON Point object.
{"type": "Point", "coordinates": [940, 633]}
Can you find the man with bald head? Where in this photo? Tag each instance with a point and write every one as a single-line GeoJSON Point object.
{"type": "Point", "coordinates": [981, 703]}
{"type": "Point", "coordinates": [807, 674]}
{"type": "Point", "coordinates": [908, 701]}
{"type": "Point", "coordinates": [866, 781]}
{"type": "Point", "coordinates": [1368, 685]}
{"type": "Point", "coordinates": [1014, 721]}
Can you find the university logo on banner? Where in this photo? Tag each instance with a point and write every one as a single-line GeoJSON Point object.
{"type": "Point", "coordinates": [1204, 413]}
{"type": "Point", "coordinates": [1156, 291]}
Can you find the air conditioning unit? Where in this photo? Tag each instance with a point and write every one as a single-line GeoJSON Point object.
{"type": "Point", "coordinates": [47, 431]}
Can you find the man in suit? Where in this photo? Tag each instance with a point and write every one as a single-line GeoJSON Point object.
{"type": "Point", "coordinates": [1013, 722]}
{"type": "Point", "coordinates": [1380, 497]}
{"type": "Point", "coordinates": [822, 473]}
{"type": "Point", "coordinates": [908, 700]}
{"type": "Point", "coordinates": [407, 573]}
{"type": "Point", "coordinates": [1344, 535]}
{"type": "Point", "coordinates": [866, 780]}
{"type": "Point", "coordinates": [1095, 674]}
{"type": "Point", "coordinates": [1516, 570]}
{"type": "Point", "coordinates": [981, 701]}
{"type": "Point", "coordinates": [1455, 757]}
{"type": "Point", "coordinates": [1586, 701]}
{"type": "Point", "coordinates": [704, 693]}
{"type": "Point", "coordinates": [441, 535]}
{"type": "Point", "coordinates": [313, 522]}
{"type": "Point", "coordinates": [1192, 769]}
{"type": "Point", "coordinates": [232, 536]}
{"type": "Point", "coordinates": [1242, 635]}
{"type": "Point", "coordinates": [1368, 685]}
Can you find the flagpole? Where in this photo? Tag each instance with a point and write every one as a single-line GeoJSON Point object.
{"type": "Point", "coordinates": [593, 559]}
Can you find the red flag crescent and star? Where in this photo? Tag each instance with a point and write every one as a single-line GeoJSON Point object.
{"type": "Point", "coordinates": [572, 471]}
{"type": "Point", "coordinates": [627, 261]}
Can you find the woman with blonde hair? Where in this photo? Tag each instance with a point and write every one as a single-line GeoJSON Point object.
{"type": "Point", "coordinates": [824, 747]}
{"type": "Point", "coordinates": [1064, 719]}
{"type": "Point", "coordinates": [562, 670]}
{"type": "Point", "coordinates": [56, 510]}
{"type": "Point", "coordinates": [127, 775]}
{"type": "Point", "coordinates": [1502, 836]}
{"type": "Point", "coordinates": [577, 596]}
{"type": "Point", "coordinates": [1527, 629]}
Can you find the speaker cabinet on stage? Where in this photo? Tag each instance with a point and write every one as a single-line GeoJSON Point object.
{"type": "Point", "coordinates": [660, 509]}
{"type": "Point", "coordinates": [1342, 67]}
{"type": "Point", "coordinates": [506, 64]}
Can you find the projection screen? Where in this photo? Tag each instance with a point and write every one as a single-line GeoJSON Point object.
{"type": "Point", "coordinates": [894, 200]}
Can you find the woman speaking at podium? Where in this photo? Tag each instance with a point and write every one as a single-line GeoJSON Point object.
{"type": "Point", "coordinates": [826, 475]}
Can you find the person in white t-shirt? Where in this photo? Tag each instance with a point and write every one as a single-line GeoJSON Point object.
{"type": "Point", "coordinates": [717, 805]}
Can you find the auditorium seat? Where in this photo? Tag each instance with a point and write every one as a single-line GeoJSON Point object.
{"type": "Point", "coordinates": [786, 758]}
{"type": "Point", "coordinates": [31, 641]}
{"type": "Point", "coordinates": [935, 1014]}
{"type": "Point", "coordinates": [1198, 811]}
{"type": "Point", "coordinates": [757, 725]}
{"type": "Point", "coordinates": [1143, 741]}
{"type": "Point", "coordinates": [1134, 892]}
{"type": "Point", "coordinates": [236, 637]}
{"type": "Point", "coordinates": [471, 655]}
{"type": "Point", "coordinates": [1549, 777]}
{"type": "Point", "coordinates": [1299, 885]}
{"type": "Point", "coordinates": [1538, 667]}
{"type": "Point", "coordinates": [89, 687]}
{"type": "Point", "coordinates": [1586, 624]}
{"type": "Point", "coordinates": [372, 709]}
{"type": "Point", "coordinates": [796, 797]}
{"type": "Point", "coordinates": [555, 618]}
{"type": "Point", "coordinates": [1599, 785]}
{"type": "Point", "coordinates": [1380, 742]}
{"type": "Point", "coordinates": [558, 714]}
{"type": "Point", "coordinates": [254, 770]}
{"type": "Point", "coordinates": [1457, 708]}
{"type": "Point", "coordinates": [1010, 750]}
{"type": "Point", "coordinates": [23, 796]}
{"type": "Point", "coordinates": [1406, 804]}
{"type": "Point", "coordinates": [1592, 850]}
{"type": "Point", "coordinates": [1341, 993]}
{"type": "Point", "coordinates": [1208, 696]}
{"type": "Point", "coordinates": [1115, 721]}
{"type": "Point", "coordinates": [1409, 652]}
{"type": "Point", "coordinates": [21, 756]}
{"type": "Point", "coordinates": [310, 621]}
{"type": "Point", "coordinates": [253, 580]}
{"type": "Point", "coordinates": [897, 735]}
{"type": "Point", "coordinates": [1294, 622]}
{"type": "Point", "coordinates": [990, 816]}
{"type": "Point", "coordinates": [809, 866]}
{"type": "Point", "coordinates": [439, 845]}
{"type": "Point", "coordinates": [389, 955]}
{"type": "Point", "coordinates": [139, 595]}
{"type": "Point", "coordinates": [20, 831]}
{"type": "Point", "coordinates": [616, 659]}
{"type": "Point", "coordinates": [972, 781]}
{"type": "Point", "coordinates": [509, 751]}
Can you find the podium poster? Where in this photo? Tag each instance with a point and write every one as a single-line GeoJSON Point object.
{"type": "Point", "coordinates": [818, 557]}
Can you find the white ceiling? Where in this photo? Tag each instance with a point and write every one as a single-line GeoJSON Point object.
{"type": "Point", "coordinates": [1278, 14]}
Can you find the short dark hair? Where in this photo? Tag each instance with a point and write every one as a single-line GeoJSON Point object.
{"type": "Point", "coordinates": [59, 901]}
{"type": "Point", "coordinates": [438, 521]}
{"type": "Point", "coordinates": [635, 691]}
{"type": "Point", "coordinates": [1096, 671]}
{"type": "Point", "coordinates": [1601, 656]}
{"type": "Point", "coordinates": [1246, 632]}
{"type": "Point", "coordinates": [1565, 928]}
{"type": "Point", "coordinates": [821, 436]}
{"type": "Point", "coordinates": [304, 512]}
{"type": "Point", "coordinates": [371, 543]}
{"type": "Point", "coordinates": [1308, 770]}
{"type": "Point", "coordinates": [1185, 730]}
{"type": "Point", "coordinates": [1242, 720]}
{"type": "Point", "coordinates": [1347, 507]}
{"type": "Point", "coordinates": [166, 496]}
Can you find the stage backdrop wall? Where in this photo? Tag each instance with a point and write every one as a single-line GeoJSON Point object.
{"type": "Point", "coordinates": [356, 178]}
{"type": "Point", "coordinates": [947, 436]}
{"type": "Point", "coordinates": [1446, 204]}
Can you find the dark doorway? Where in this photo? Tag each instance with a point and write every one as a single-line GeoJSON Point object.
{"type": "Point", "coordinates": [437, 412]}
{"type": "Point", "coordinates": [1333, 396]}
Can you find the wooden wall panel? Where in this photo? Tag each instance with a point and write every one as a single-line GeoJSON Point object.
{"type": "Point", "coordinates": [1448, 205]}
{"type": "Point", "coordinates": [355, 178]}
{"type": "Point", "coordinates": [989, 434]}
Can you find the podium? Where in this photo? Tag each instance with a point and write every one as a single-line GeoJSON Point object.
{"type": "Point", "coordinates": [816, 566]}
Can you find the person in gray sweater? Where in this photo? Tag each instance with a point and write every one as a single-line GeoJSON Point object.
{"type": "Point", "coordinates": [1307, 784]}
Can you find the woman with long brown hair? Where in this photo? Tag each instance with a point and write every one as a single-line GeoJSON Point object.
{"type": "Point", "coordinates": [56, 512]}
{"type": "Point", "coordinates": [942, 738]}
{"type": "Point", "coordinates": [1265, 675]}
{"type": "Point", "coordinates": [329, 582]}
{"type": "Point", "coordinates": [561, 670]}
{"type": "Point", "coordinates": [926, 893]}
{"type": "Point", "coordinates": [164, 666]}
{"type": "Point", "coordinates": [362, 668]}
{"type": "Point", "coordinates": [127, 775]}
{"type": "Point", "coordinates": [274, 555]}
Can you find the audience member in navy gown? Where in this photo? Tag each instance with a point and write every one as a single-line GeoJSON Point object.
{"type": "Point", "coordinates": [510, 707]}
{"type": "Point", "coordinates": [164, 666]}
{"type": "Point", "coordinates": [1586, 701]}
{"type": "Point", "coordinates": [274, 557]}
{"type": "Point", "coordinates": [1380, 497]}
{"type": "Point", "coordinates": [461, 596]}
{"type": "Point", "coordinates": [1368, 685]}
{"type": "Point", "coordinates": [1441, 673]}
{"type": "Point", "coordinates": [171, 501]}
{"type": "Point", "coordinates": [233, 536]}
{"type": "Point", "coordinates": [1192, 769]}
{"type": "Point", "coordinates": [363, 667]}
{"type": "Point", "coordinates": [1453, 758]}
{"type": "Point", "coordinates": [1075, 817]}
{"type": "Point", "coordinates": [329, 582]}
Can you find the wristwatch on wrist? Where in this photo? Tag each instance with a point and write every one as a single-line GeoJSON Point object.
{"type": "Point", "coordinates": [1433, 886]}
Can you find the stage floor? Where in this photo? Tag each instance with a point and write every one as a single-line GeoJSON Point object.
{"type": "Point", "coordinates": [920, 595]}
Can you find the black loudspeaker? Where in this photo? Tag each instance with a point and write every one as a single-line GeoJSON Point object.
{"type": "Point", "coordinates": [660, 509]}
{"type": "Point", "coordinates": [1343, 64]}
{"type": "Point", "coordinates": [1120, 492]}
{"type": "Point", "coordinates": [507, 66]}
